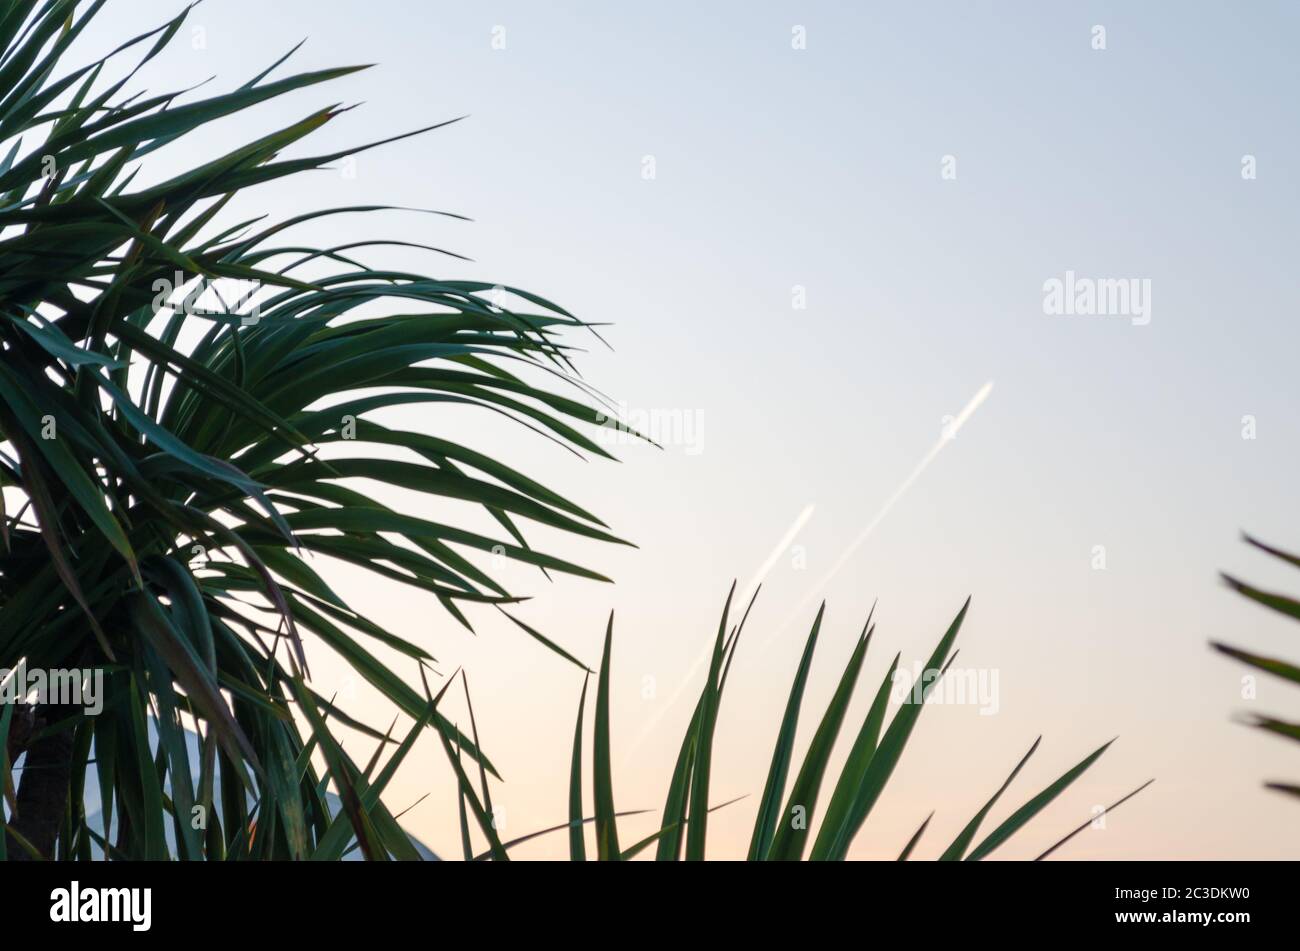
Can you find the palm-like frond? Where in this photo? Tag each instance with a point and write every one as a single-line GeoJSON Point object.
{"type": "Point", "coordinates": [789, 814]}
{"type": "Point", "coordinates": [1290, 607]}
{"type": "Point", "coordinates": [177, 453]}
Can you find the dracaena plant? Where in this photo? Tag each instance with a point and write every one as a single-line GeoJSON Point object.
{"type": "Point", "coordinates": [1286, 605]}
{"type": "Point", "coordinates": [172, 456]}
{"type": "Point", "coordinates": [803, 819]}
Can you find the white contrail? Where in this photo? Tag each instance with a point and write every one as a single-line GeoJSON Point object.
{"type": "Point", "coordinates": [915, 474]}
{"type": "Point", "coordinates": [786, 540]}
{"type": "Point", "coordinates": [738, 603]}
{"type": "Point", "coordinates": [949, 432]}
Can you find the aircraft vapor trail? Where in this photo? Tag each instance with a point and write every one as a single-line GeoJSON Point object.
{"type": "Point", "coordinates": [786, 540]}
{"type": "Point", "coordinates": [947, 437]}
{"type": "Point", "coordinates": [949, 432]}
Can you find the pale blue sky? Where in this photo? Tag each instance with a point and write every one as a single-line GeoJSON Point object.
{"type": "Point", "coordinates": [820, 167]}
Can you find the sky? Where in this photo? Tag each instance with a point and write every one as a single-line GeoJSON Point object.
{"type": "Point", "coordinates": [818, 231]}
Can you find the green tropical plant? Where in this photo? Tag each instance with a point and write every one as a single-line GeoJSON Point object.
{"type": "Point", "coordinates": [1279, 668]}
{"type": "Point", "coordinates": [145, 418]}
{"type": "Point", "coordinates": [781, 832]}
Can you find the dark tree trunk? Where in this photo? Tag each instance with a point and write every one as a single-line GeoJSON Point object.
{"type": "Point", "coordinates": [42, 793]}
{"type": "Point", "coordinates": [20, 730]}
